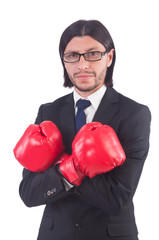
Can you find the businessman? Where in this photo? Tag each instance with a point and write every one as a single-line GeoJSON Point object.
{"type": "Point", "coordinates": [88, 195]}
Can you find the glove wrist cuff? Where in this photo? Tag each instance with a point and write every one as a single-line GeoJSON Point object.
{"type": "Point", "coordinates": [68, 170]}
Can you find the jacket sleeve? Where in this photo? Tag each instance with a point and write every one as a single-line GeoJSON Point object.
{"type": "Point", "coordinates": [114, 190]}
{"type": "Point", "coordinates": [42, 188]}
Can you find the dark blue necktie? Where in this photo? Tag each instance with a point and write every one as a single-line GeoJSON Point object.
{"type": "Point", "coordinates": [80, 116]}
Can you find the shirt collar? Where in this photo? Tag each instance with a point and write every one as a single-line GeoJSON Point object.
{"type": "Point", "coordinates": [95, 98]}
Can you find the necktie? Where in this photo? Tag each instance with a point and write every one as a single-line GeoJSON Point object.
{"type": "Point", "coordinates": [80, 116]}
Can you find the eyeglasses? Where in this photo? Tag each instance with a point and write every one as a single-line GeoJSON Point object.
{"type": "Point", "coordinates": [73, 57]}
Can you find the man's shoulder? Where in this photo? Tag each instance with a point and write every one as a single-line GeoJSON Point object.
{"type": "Point", "coordinates": [128, 105]}
{"type": "Point", "coordinates": [59, 102]}
{"type": "Point", "coordinates": [126, 101]}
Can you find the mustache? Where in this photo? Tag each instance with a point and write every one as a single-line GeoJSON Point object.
{"type": "Point", "coordinates": [85, 72]}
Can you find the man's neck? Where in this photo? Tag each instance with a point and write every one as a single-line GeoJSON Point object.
{"type": "Point", "coordinates": [85, 94]}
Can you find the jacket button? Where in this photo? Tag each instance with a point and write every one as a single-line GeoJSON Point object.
{"type": "Point", "coordinates": [50, 192]}
{"type": "Point", "coordinates": [77, 227]}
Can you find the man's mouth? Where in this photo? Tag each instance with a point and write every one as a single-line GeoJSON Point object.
{"type": "Point", "coordinates": [84, 73]}
{"type": "Point", "coordinates": [84, 76]}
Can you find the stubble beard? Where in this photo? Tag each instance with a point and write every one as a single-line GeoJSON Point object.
{"type": "Point", "coordinates": [97, 82]}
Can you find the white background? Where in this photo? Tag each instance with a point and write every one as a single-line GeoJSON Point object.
{"type": "Point", "coordinates": [31, 74]}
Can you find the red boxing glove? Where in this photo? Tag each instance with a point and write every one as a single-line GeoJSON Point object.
{"type": "Point", "coordinates": [97, 149]}
{"type": "Point", "coordinates": [69, 170]}
{"type": "Point", "coordinates": [39, 147]}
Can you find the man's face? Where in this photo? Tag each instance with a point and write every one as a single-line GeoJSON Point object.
{"type": "Point", "coordinates": [87, 77]}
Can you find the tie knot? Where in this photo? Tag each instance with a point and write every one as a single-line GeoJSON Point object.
{"type": "Point", "coordinates": [82, 104]}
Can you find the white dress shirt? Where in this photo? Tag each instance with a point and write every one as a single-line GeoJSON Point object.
{"type": "Point", "coordinates": [95, 99]}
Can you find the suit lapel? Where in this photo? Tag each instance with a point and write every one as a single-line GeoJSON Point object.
{"type": "Point", "coordinates": [67, 122]}
{"type": "Point", "coordinates": [108, 107]}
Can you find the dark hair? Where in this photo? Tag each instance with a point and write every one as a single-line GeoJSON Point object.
{"type": "Point", "coordinates": [94, 29]}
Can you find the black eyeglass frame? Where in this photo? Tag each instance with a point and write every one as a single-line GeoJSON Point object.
{"type": "Point", "coordinates": [84, 55]}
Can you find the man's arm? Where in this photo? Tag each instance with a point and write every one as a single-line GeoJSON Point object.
{"type": "Point", "coordinates": [42, 188]}
{"type": "Point", "coordinates": [114, 190]}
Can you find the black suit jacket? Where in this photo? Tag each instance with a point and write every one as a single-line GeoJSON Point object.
{"type": "Point", "coordinates": [102, 207]}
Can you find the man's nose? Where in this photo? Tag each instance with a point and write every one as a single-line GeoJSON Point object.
{"type": "Point", "coordinates": [83, 64]}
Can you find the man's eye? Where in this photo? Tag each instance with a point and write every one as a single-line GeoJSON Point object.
{"type": "Point", "coordinates": [93, 53]}
{"type": "Point", "coordinates": [71, 55]}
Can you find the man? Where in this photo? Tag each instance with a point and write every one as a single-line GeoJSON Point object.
{"type": "Point", "coordinates": [98, 207]}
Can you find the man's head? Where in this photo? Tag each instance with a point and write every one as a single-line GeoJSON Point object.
{"type": "Point", "coordinates": [93, 40]}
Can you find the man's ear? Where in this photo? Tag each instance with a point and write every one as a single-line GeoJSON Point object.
{"type": "Point", "coordinates": [110, 57]}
